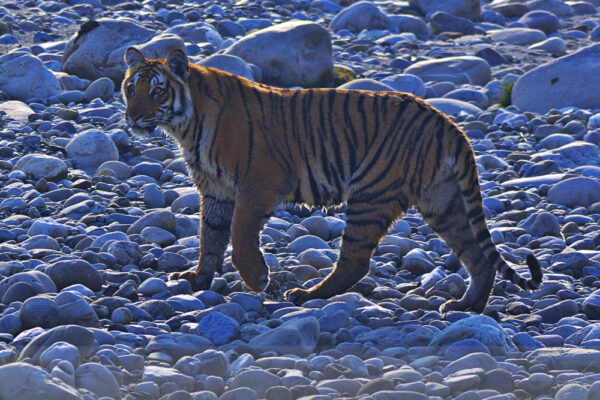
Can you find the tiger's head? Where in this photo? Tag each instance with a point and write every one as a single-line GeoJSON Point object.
{"type": "Point", "coordinates": [156, 92]}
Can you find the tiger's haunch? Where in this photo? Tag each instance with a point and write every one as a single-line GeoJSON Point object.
{"type": "Point", "coordinates": [250, 147]}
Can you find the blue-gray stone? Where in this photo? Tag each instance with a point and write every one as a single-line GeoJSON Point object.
{"type": "Point", "coordinates": [297, 336]}
{"type": "Point", "coordinates": [98, 379]}
{"type": "Point", "coordinates": [78, 336]}
{"type": "Point", "coordinates": [398, 336]}
{"type": "Point", "coordinates": [554, 85]}
{"type": "Point", "coordinates": [89, 149]}
{"type": "Point", "coordinates": [74, 309]}
{"type": "Point", "coordinates": [39, 311]}
{"type": "Point", "coordinates": [178, 345]}
{"type": "Point", "coordinates": [359, 16]}
{"type": "Point", "coordinates": [542, 20]}
{"type": "Point", "coordinates": [218, 328]}
{"type": "Point", "coordinates": [213, 362]}
{"type": "Point", "coordinates": [525, 342]}
{"type": "Point", "coordinates": [459, 349]}
{"type": "Point", "coordinates": [68, 272]}
{"type": "Point", "coordinates": [479, 327]}
{"type": "Point", "coordinates": [19, 379]}
{"type": "Point", "coordinates": [580, 191]}
{"type": "Point", "coordinates": [591, 305]}
{"type": "Point", "coordinates": [541, 224]}
{"type": "Point", "coordinates": [307, 242]}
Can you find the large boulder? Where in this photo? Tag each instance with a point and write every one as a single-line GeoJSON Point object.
{"type": "Point", "coordinates": [294, 53]}
{"type": "Point", "coordinates": [359, 16]}
{"type": "Point", "coordinates": [97, 49]}
{"type": "Point", "coordinates": [459, 70]}
{"type": "Point", "coordinates": [571, 80]}
{"type": "Point", "coordinates": [89, 149]}
{"type": "Point", "coordinates": [461, 8]}
{"type": "Point", "coordinates": [24, 76]}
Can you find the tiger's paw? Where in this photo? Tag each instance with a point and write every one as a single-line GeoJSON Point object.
{"type": "Point", "coordinates": [298, 296]}
{"type": "Point", "coordinates": [460, 305]}
{"type": "Point", "coordinates": [450, 305]}
{"type": "Point", "coordinates": [257, 281]}
{"type": "Point", "coordinates": [198, 281]}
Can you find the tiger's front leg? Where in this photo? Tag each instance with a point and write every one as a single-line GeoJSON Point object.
{"type": "Point", "coordinates": [251, 209]}
{"type": "Point", "coordinates": [215, 232]}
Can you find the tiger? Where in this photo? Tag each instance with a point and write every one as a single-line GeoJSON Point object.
{"type": "Point", "coordinates": [250, 147]}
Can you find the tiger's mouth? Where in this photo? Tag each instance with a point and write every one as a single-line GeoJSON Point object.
{"type": "Point", "coordinates": [143, 129]}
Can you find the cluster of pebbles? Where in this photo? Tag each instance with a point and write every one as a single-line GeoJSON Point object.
{"type": "Point", "coordinates": [93, 220]}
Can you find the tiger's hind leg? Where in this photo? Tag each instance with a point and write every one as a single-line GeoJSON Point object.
{"type": "Point", "coordinates": [215, 232]}
{"type": "Point", "coordinates": [443, 208]}
{"type": "Point", "coordinates": [366, 223]}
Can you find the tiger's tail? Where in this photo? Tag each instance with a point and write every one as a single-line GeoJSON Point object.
{"type": "Point", "coordinates": [466, 172]}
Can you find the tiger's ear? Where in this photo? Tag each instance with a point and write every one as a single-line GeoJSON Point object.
{"type": "Point", "coordinates": [177, 62]}
{"type": "Point", "coordinates": [134, 57]}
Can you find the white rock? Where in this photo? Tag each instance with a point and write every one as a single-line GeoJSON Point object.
{"type": "Point", "coordinates": [453, 106]}
{"type": "Point", "coordinates": [16, 110]}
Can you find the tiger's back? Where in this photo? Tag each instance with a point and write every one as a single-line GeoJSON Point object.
{"type": "Point", "coordinates": [250, 147]}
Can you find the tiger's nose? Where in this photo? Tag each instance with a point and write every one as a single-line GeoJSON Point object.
{"type": "Point", "coordinates": [135, 117]}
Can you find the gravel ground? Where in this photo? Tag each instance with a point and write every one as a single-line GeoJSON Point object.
{"type": "Point", "coordinates": [92, 220]}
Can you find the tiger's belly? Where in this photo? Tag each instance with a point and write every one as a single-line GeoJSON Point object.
{"type": "Point", "coordinates": [316, 188]}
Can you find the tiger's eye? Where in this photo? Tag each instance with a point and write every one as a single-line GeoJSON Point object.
{"type": "Point", "coordinates": [157, 92]}
{"type": "Point", "coordinates": [131, 89]}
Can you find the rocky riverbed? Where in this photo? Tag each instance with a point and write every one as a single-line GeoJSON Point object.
{"type": "Point", "coordinates": [92, 220]}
